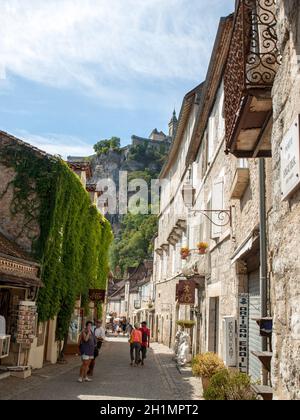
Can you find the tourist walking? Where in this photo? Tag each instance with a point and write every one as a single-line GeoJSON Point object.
{"type": "Point", "coordinates": [135, 345]}
{"type": "Point", "coordinates": [129, 328]}
{"type": "Point", "coordinates": [99, 333]}
{"type": "Point", "coordinates": [145, 340]}
{"type": "Point", "coordinates": [124, 325]}
{"type": "Point", "coordinates": [87, 344]}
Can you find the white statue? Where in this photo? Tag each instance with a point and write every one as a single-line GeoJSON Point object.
{"type": "Point", "coordinates": [177, 342]}
{"type": "Point", "coordinates": [183, 355]}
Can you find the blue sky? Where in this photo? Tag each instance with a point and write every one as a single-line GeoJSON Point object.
{"type": "Point", "coordinates": [73, 72]}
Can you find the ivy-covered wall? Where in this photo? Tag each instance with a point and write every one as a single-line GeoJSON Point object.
{"type": "Point", "coordinates": [74, 238]}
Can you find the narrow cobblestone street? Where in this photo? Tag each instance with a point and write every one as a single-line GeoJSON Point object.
{"type": "Point", "coordinates": [114, 379]}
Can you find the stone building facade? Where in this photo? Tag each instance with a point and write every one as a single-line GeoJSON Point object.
{"type": "Point", "coordinates": [265, 131]}
{"type": "Point", "coordinates": [249, 275]}
{"type": "Point", "coordinates": [133, 297]}
{"type": "Point", "coordinates": [284, 263]}
{"type": "Point", "coordinates": [20, 228]}
{"type": "Point", "coordinates": [172, 232]}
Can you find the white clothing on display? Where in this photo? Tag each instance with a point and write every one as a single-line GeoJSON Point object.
{"type": "Point", "coordinates": [2, 325]}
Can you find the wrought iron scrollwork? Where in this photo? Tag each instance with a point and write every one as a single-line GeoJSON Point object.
{"type": "Point", "coordinates": [222, 219]}
{"type": "Point", "coordinates": [263, 57]}
{"type": "Point", "coordinates": [253, 57]}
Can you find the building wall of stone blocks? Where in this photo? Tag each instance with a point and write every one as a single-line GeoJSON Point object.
{"type": "Point", "coordinates": [12, 224]}
{"type": "Point", "coordinates": [285, 215]}
{"type": "Point", "coordinates": [220, 275]}
{"type": "Point", "coordinates": [246, 209]}
{"type": "Point", "coordinates": [165, 308]}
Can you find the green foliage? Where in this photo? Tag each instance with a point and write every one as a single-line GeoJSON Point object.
{"type": "Point", "coordinates": [229, 385]}
{"type": "Point", "coordinates": [148, 154]}
{"type": "Point", "coordinates": [135, 242]}
{"type": "Point", "coordinates": [146, 175]}
{"type": "Point", "coordinates": [74, 238]}
{"type": "Point", "coordinates": [103, 146]}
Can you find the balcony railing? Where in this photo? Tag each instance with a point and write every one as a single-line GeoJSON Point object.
{"type": "Point", "coordinates": [252, 64]}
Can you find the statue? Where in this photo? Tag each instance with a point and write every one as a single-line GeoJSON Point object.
{"type": "Point", "coordinates": [177, 342]}
{"type": "Point", "coordinates": [183, 348]}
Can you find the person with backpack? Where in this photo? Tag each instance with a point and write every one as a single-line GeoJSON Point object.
{"type": "Point", "coordinates": [145, 340]}
{"type": "Point", "coordinates": [135, 345]}
{"type": "Point", "coordinates": [87, 344]}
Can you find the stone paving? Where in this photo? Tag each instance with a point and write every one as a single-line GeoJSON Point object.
{"type": "Point", "coordinates": [114, 378]}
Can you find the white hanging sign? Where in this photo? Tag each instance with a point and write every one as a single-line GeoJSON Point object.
{"type": "Point", "coordinates": [290, 160]}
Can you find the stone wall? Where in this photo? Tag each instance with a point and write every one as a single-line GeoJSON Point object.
{"type": "Point", "coordinates": [285, 216]}
{"type": "Point", "coordinates": [13, 225]}
{"type": "Point", "coordinates": [165, 308]}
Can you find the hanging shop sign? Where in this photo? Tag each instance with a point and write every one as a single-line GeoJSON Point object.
{"type": "Point", "coordinates": [290, 160]}
{"type": "Point", "coordinates": [185, 292]}
{"type": "Point", "coordinates": [243, 332]}
{"type": "Point", "coordinates": [229, 347]}
{"type": "Point", "coordinates": [97, 295]}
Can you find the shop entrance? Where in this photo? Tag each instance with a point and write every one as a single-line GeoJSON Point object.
{"type": "Point", "coordinates": [4, 303]}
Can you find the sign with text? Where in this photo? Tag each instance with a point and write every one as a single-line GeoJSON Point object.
{"type": "Point", "coordinates": [243, 332]}
{"type": "Point", "coordinates": [290, 160]}
{"type": "Point", "coordinates": [97, 295]}
{"type": "Point", "coordinates": [229, 329]}
{"type": "Point", "coordinates": [185, 292]}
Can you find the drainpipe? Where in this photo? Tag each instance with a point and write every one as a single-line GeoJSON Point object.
{"type": "Point", "coordinates": [263, 243]}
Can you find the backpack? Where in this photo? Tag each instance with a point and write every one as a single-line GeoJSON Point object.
{"type": "Point", "coordinates": [144, 335]}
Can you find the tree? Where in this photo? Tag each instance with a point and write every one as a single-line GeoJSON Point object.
{"type": "Point", "coordinates": [103, 146]}
{"type": "Point", "coordinates": [134, 244]}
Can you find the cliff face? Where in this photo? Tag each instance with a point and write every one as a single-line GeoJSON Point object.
{"type": "Point", "coordinates": [145, 159]}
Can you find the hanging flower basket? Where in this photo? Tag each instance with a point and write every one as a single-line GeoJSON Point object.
{"type": "Point", "coordinates": [186, 323]}
{"type": "Point", "coordinates": [185, 253]}
{"type": "Point", "coordinates": [202, 247]}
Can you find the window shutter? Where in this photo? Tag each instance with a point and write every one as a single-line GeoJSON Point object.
{"type": "Point", "coordinates": [211, 137]}
{"type": "Point", "coordinates": [217, 204]}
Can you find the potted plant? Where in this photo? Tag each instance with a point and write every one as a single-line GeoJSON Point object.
{"type": "Point", "coordinates": [186, 323]}
{"type": "Point", "coordinates": [206, 365]}
{"type": "Point", "coordinates": [185, 253]}
{"type": "Point", "coordinates": [202, 247]}
{"type": "Point", "coordinates": [230, 385]}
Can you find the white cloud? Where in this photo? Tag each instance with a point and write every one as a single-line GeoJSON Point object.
{"type": "Point", "coordinates": [57, 144]}
{"type": "Point", "coordinates": [105, 46]}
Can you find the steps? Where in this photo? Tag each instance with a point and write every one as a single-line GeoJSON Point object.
{"type": "Point", "coordinates": [4, 374]}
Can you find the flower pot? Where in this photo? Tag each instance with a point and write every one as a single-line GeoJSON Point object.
{"type": "Point", "coordinates": [184, 256]}
{"type": "Point", "coordinates": [205, 382]}
{"type": "Point", "coordinates": [202, 251]}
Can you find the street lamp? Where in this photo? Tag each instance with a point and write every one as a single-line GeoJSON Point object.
{"type": "Point", "coordinates": [224, 217]}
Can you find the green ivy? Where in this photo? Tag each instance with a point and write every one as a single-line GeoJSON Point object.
{"type": "Point", "coordinates": [74, 238]}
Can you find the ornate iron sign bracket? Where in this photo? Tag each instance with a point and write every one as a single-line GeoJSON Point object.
{"type": "Point", "coordinates": [223, 217]}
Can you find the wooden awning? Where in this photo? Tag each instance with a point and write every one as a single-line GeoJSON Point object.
{"type": "Point", "coordinates": [10, 280]}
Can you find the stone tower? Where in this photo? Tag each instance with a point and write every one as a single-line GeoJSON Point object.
{"type": "Point", "coordinates": [173, 125]}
